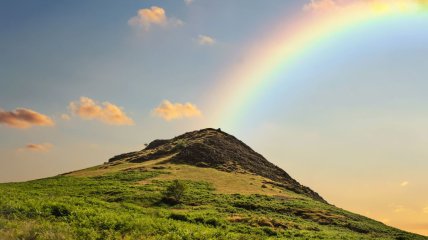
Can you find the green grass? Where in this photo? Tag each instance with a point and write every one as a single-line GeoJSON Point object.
{"type": "Point", "coordinates": [115, 206]}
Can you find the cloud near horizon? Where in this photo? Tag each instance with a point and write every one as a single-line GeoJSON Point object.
{"type": "Point", "coordinates": [24, 118]}
{"type": "Point", "coordinates": [147, 17]}
{"type": "Point", "coordinates": [171, 111]}
{"type": "Point", "coordinates": [205, 40]}
{"type": "Point", "coordinates": [44, 147]}
{"type": "Point", "coordinates": [106, 112]}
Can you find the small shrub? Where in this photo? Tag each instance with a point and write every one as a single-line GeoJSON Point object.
{"type": "Point", "coordinates": [214, 222]}
{"type": "Point", "coordinates": [199, 220]}
{"type": "Point", "coordinates": [178, 216]}
{"type": "Point", "coordinates": [263, 222]}
{"type": "Point", "coordinates": [181, 144]}
{"type": "Point", "coordinates": [59, 210]}
{"type": "Point", "coordinates": [402, 238]}
{"type": "Point", "coordinates": [174, 192]}
{"type": "Point", "coordinates": [269, 231]}
{"type": "Point", "coordinates": [159, 167]}
{"type": "Point", "coordinates": [357, 228]}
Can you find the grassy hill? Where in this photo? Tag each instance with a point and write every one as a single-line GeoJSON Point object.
{"type": "Point", "coordinates": [229, 192]}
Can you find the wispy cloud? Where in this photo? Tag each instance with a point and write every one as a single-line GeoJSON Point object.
{"type": "Point", "coordinates": [316, 5]}
{"type": "Point", "coordinates": [24, 118]}
{"type": "Point", "coordinates": [148, 17]}
{"type": "Point", "coordinates": [425, 210]}
{"type": "Point", "coordinates": [205, 40]}
{"type": "Point", "coordinates": [378, 6]}
{"type": "Point", "coordinates": [65, 117]}
{"type": "Point", "coordinates": [188, 2]}
{"type": "Point", "coordinates": [106, 112]}
{"type": "Point", "coordinates": [171, 111]}
{"type": "Point", "coordinates": [404, 184]}
{"type": "Point", "coordinates": [44, 147]}
{"type": "Point", "coordinates": [398, 208]}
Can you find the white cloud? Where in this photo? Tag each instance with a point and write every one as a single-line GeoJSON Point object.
{"type": "Point", "coordinates": [205, 40]}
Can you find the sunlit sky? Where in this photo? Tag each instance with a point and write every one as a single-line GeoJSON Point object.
{"type": "Point", "coordinates": [82, 81]}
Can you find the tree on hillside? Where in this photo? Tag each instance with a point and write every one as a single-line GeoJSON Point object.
{"type": "Point", "coordinates": [174, 192]}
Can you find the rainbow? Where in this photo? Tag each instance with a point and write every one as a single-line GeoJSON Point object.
{"type": "Point", "coordinates": [274, 56]}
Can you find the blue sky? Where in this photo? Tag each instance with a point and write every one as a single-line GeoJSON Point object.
{"type": "Point", "coordinates": [353, 115]}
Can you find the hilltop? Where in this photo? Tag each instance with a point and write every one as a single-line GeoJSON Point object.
{"type": "Point", "coordinates": [229, 191]}
{"type": "Point", "coordinates": [211, 148]}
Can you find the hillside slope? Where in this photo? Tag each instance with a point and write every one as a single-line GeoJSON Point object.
{"type": "Point", "coordinates": [231, 192]}
{"type": "Point", "coordinates": [210, 148]}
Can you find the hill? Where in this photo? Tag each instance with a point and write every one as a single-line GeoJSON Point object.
{"type": "Point", "coordinates": [210, 148]}
{"type": "Point", "coordinates": [225, 190]}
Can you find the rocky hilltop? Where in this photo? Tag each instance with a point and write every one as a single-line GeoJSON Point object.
{"type": "Point", "coordinates": [213, 148]}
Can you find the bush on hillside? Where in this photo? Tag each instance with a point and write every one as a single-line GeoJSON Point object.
{"type": "Point", "coordinates": [174, 192]}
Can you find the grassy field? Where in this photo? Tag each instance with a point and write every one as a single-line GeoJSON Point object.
{"type": "Point", "coordinates": [125, 201]}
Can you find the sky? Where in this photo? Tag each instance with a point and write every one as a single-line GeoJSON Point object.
{"type": "Point", "coordinates": [332, 91]}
